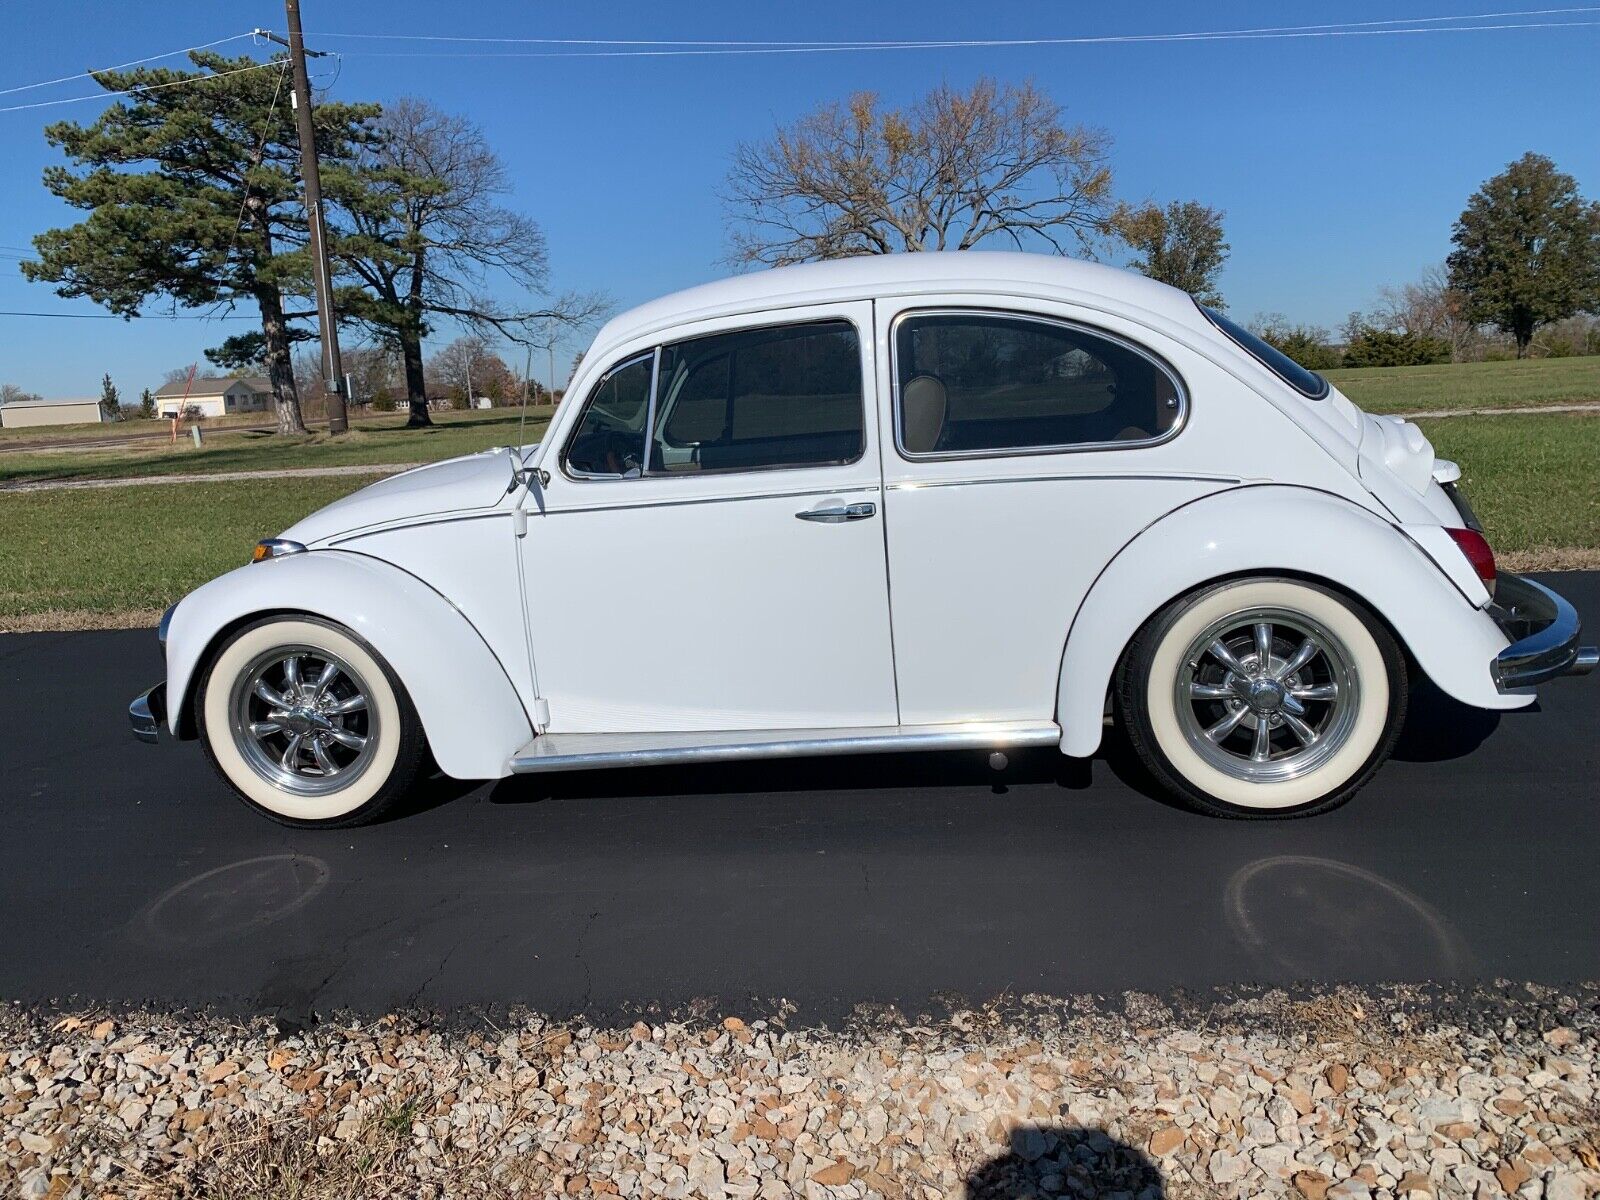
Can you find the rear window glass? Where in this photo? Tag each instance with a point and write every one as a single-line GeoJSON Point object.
{"type": "Point", "coordinates": [1307, 383]}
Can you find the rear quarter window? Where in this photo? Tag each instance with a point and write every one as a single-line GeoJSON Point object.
{"type": "Point", "coordinates": [978, 382]}
{"type": "Point", "coordinates": [1307, 382]}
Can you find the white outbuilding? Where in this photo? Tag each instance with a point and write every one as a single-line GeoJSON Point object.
{"type": "Point", "coordinates": [23, 414]}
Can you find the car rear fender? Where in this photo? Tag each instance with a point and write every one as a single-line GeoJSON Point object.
{"type": "Point", "coordinates": [1269, 529]}
{"type": "Point", "coordinates": [470, 711]}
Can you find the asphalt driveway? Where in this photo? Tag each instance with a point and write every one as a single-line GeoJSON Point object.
{"type": "Point", "coordinates": [132, 875]}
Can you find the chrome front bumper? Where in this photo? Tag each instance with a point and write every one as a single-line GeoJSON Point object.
{"type": "Point", "coordinates": [1544, 632]}
{"type": "Point", "coordinates": [147, 712]}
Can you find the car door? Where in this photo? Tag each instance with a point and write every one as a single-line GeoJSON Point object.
{"type": "Point", "coordinates": [1024, 444]}
{"type": "Point", "coordinates": [710, 553]}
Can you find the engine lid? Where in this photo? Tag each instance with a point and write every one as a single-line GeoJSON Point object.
{"type": "Point", "coordinates": [1397, 446]}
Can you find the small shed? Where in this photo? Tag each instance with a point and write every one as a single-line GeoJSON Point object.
{"type": "Point", "coordinates": [24, 414]}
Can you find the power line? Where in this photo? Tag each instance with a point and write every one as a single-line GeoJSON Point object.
{"type": "Point", "coordinates": [28, 87]}
{"type": "Point", "coordinates": [661, 48]}
{"type": "Point", "coordinates": [896, 44]}
{"type": "Point", "coordinates": [963, 45]}
{"type": "Point", "coordinates": [136, 317]}
{"type": "Point", "coordinates": [143, 88]}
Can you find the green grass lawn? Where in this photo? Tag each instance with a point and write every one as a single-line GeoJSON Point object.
{"type": "Point", "coordinates": [109, 550]}
{"type": "Point", "coordinates": [130, 427]}
{"type": "Point", "coordinates": [371, 442]}
{"type": "Point", "coordinates": [1532, 478]}
{"type": "Point", "coordinates": [1472, 385]}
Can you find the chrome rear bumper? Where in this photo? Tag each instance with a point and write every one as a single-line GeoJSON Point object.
{"type": "Point", "coordinates": [147, 712]}
{"type": "Point", "coordinates": [1544, 632]}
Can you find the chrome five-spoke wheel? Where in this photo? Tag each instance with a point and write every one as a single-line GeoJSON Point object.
{"type": "Point", "coordinates": [308, 723]}
{"type": "Point", "coordinates": [301, 718]}
{"type": "Point", "coordinates": [1267, 694]}
{"type": "Point", "coordinates": [1262, 696]}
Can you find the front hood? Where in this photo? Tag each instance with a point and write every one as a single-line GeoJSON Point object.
{"type": "Point", "coordinates": [473, 481]}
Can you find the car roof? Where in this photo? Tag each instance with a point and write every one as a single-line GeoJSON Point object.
{"type": "Point", "coordinates": [873, 275]}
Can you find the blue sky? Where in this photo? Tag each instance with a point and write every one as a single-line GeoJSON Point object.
{"type": "Point", "coordinates": [1341, 161]}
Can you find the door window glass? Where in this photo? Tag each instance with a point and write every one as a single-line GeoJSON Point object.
{"type": "Point", "coordinates": [973, 382]}
{"type": "Point", "coordinates": [782, 396]}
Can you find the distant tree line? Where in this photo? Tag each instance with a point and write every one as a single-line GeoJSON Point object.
{"type": "Point", "coordinates": [1523, 281]}
{"type": "Point", "coordinates": [467, 372]}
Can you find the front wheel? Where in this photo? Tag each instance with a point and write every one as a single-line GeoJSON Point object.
{"type": "Point", "coordinates": [1263, 697]}
{"type": "Point", "coordinates": [308, 724]}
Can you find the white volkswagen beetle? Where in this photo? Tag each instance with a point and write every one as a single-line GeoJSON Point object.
{"type": "Point", "coordinates": [923, 501]}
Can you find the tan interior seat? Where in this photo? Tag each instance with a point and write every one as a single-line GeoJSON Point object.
{"type": "Point", "coordinates": [923, 401]}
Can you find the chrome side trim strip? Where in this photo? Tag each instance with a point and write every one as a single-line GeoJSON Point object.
{"type": "Point", "coordinates": [445, 518]}
{"type": "Point", "coordinates": [590, 751]}
{"type": "Point", "coordinates": [912, 485]}
{"type": "Point", "coordinates": [842, 490]}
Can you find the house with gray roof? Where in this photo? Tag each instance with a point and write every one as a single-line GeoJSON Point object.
{"type": "Point", "coordinates": [215, 397]}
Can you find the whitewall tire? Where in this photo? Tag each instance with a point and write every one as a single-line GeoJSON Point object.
{"type": "Point", "coordinates": [1263, 696]}
{"type": "Point", "coordinates": [308, 724]}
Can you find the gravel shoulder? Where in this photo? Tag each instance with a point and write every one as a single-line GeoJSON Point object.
{"type": "Point", "coordinates": [1496, 411]}
{"type": "Point", "coordinates": [1324, 1096]}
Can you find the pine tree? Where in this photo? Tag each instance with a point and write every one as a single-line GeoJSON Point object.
{"type": "Point", "coordinates": [191, 189]}
{"type": "Point", "coordinates": [110, 401]}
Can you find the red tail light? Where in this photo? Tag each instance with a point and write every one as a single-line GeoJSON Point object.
{"type": "Point", "coordinates": [1476, 548]}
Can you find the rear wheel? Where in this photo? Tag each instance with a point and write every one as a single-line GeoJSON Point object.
{"type": "Point", "coordinates": [308, 724]}
{"type": "Point", "coordinates": [1263, 697]}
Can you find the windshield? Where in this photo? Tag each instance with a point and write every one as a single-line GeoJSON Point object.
{"type": "Point", "coordinates": [1307, 383]}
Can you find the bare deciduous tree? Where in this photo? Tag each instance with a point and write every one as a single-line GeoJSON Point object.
{"type": "Point", "coordinates": [1429, 307]}
{"type": "Point", "coordinates": [10, 392]}
{"type": "Point", "coordinates": [951, 171]}
{"type": "Point", "coordinates": [372, 370]}
{"type": "Point", "coordinates": [468, 368]}
{"type": "Point", "coordinates": [425, 234]}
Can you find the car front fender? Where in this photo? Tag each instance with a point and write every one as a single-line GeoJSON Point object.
{"type": "Point", "coordinates": [1264, 530]}
{"type": "Point", "coordinates": [469, 709]}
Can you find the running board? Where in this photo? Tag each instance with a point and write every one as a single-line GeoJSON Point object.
{"type": "Point", "coordinates": [588, 751]}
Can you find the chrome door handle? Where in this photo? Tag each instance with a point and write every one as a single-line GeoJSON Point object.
{"type": "Point", "coordinates": [845, 512]}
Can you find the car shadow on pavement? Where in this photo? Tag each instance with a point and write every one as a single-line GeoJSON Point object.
{"type": "Point", "coordinates": [433, 790]}
{"type": "Point", "coordinates": [836, 773]}
{"type": "Point", "coordinates": [1439, 728]}
{"type": "Point", "coordinates": [1066, 1161]}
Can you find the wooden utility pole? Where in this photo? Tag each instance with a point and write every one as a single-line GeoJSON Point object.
{"type": "Point", "coordinates": [332, 364]}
